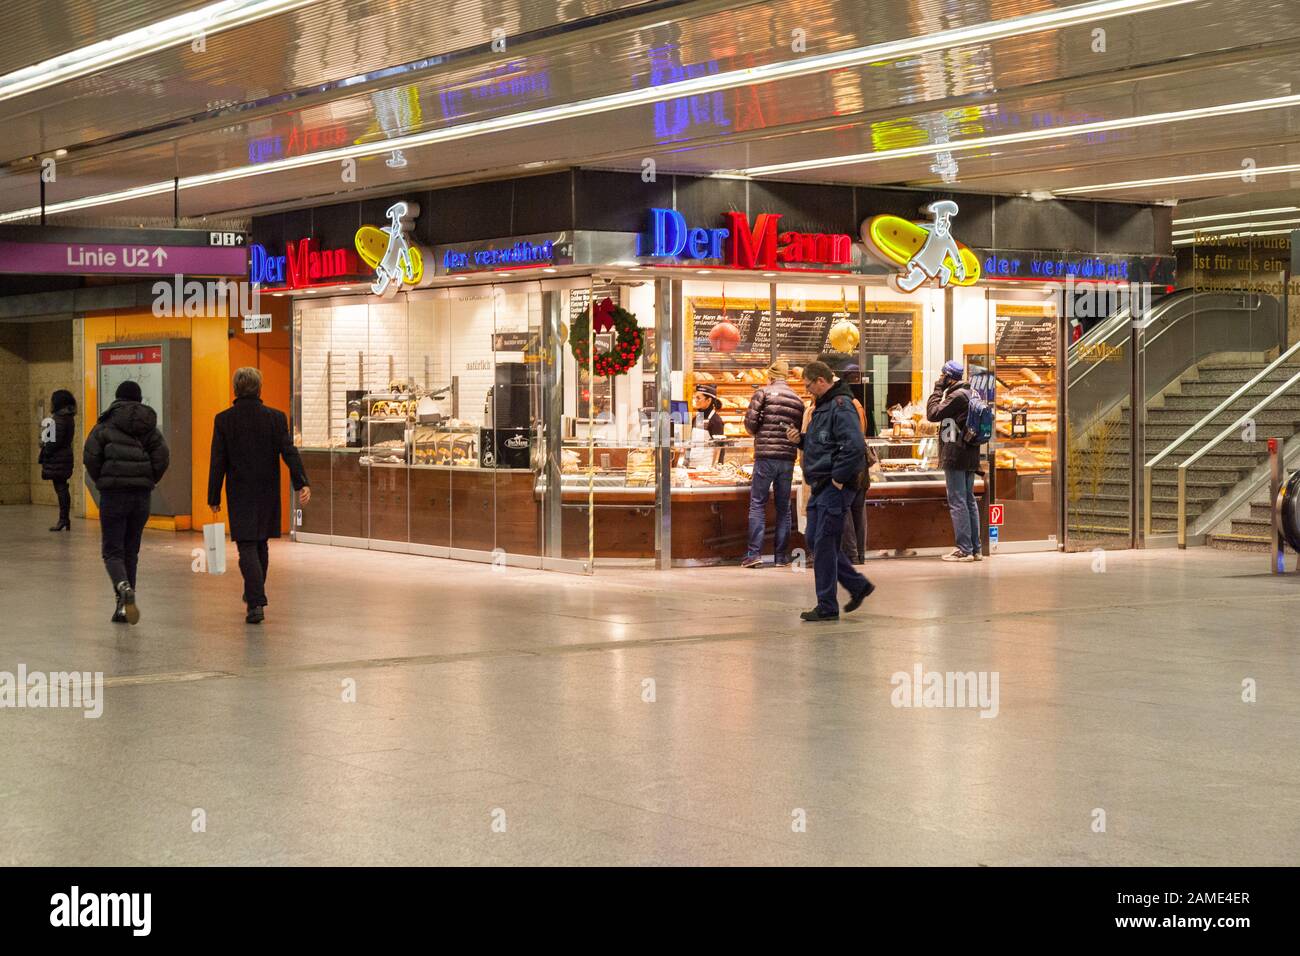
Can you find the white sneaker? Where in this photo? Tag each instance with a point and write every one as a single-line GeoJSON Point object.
{"type": "Point", "coordinates": [977, 556]}
{"type": "Point", "coordinates": [958, 556]}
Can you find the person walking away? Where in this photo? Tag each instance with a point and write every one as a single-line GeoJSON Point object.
{"type": "Point", "coordinates": [56, 454]}
{"type": "Point", "coordinates": [834, 454]}
{"type": "Point", "coordinates": [772, 409]}
{"type": "Point", "coordinates": [949, 403]}
{"type": "Point", "coordinates": [248, 441]}
{"type": "Point", "coordinates": [125, 456]}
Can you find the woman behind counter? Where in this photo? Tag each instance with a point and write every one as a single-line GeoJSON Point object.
{"type": "Point", "coordinates": [707, 427]}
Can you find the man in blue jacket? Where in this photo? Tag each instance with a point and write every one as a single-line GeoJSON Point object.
{"type": "Point", "coordinates": [834, 454]}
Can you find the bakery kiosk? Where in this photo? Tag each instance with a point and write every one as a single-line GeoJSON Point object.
{"type": "Point", "coordinates": [527, 400]}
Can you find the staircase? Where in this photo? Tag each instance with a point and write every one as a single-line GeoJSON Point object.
{"type": "Point", "coordinates": [1099, 494]}
{"type": "Point", "coordinates": [1251, 532]}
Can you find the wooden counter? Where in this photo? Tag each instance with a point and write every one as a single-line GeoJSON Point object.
{"type": "Point", "coordinates": [482, 509]}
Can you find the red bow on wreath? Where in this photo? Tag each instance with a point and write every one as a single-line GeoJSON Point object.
{"type": "Point", "coordinates": [602, 317]}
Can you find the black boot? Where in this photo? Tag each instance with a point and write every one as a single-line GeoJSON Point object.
{"type": "Point", "coordinates": [126, 601]}
{"type": "Point", "coordinates": [254, 615]}
{"type": "Point", "coordinates": [63, 525]}
{"type": "Point", "coordinates": [119, 615]}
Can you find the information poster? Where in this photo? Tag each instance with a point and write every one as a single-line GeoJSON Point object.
{"type": "Point", "coordinates": [132, 363]}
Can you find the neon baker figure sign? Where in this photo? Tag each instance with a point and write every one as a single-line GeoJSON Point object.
{"type": "Point", "coordinates": [924, 251]}
{"type": "Point", "coordinates": [397, 262]}
{"type": "Point", "coordinates": [762, 246]}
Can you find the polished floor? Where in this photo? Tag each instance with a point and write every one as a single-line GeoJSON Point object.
{"type": "Point", "coordinates": [520, 717]}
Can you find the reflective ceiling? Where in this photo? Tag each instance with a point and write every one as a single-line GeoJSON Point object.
{"type": "Point", "coordinates": [1193, 96]}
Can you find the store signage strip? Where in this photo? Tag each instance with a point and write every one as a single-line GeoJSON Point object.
{"type": "Point", "coordinates": [741, 245]}
{"type": "Point", "coordinates": [62, 258]}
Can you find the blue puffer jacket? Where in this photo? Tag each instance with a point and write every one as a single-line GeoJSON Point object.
{"type": "Point", "coordinates": [833, 446]}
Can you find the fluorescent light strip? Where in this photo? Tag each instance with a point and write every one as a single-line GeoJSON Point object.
{"type": "Point", "coordinates": [1172, 180]}
{"type": "Point", "coordinates": [1230, 235]}
{"type": "Point", "coordinates": [894, 49]}
{"type": "Point", "coordinates": [1229, 226]}
{"type": "Point", "coordinates": [1236, 215]}
{"type": "Point", "coordinates": [173, 31]}
{"type": "Point", "coordinates": [1029, 136]}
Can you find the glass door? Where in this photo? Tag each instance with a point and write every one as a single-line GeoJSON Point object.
{"type": "Point", "coordinates": [1023, 351]}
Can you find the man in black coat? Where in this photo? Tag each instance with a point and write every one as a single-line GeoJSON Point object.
{"type": "Point", "coordinates": [56, 451]}
{"type": "Point", "coordinates": [125, 456]}
{"type": "Point", "coordinates": [248, 441]}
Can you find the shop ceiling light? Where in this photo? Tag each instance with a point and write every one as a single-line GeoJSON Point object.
{"type": "Point", "coordinates": [1191, 240]}
{"type": "Point", "coordinates": [1083, 13]}
{"type": "Point", "coordinates": [1033, 136]}
{"type": "Point", "coordinates": [1230, 226]}
{"type": "Point", "coordinates": [173, 31]}
{"type": "Point", "coordinates": [1236, 215]}
{"type": "Point", "coordinates": [1190, 178]}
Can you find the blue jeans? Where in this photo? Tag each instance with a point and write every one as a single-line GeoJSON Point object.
{"type": "Point", "coordinates": [771, 476]}
{"type": "Point", "coordinates": [964, 509]}
{"type": "Point", "coordinates": [831, 566]}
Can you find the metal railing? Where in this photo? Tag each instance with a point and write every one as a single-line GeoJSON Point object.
{"type": "Point", "coordinates": [1149, 469]}
{"type": "Point", "coordinates": [1228, 430]}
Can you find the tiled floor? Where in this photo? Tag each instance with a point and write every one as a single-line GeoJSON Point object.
{"type": "Point", "coordinates": [515, 716]}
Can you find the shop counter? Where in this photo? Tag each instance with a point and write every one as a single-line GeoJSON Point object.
{"type": "Point", "coordinates": [482, 509]}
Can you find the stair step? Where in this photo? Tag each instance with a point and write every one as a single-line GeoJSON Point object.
{"type": "Point", "coordinates": [1238, 542]}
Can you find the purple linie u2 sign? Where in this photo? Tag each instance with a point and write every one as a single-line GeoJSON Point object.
{"type": "Point", "coordinates": [76, 258]}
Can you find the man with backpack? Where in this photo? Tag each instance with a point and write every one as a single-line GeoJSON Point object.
{"type": "Point", "coordinates": [965, 418]}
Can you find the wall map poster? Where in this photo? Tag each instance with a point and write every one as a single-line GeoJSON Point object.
{"type": "Point", "coordinates": [137, 363]}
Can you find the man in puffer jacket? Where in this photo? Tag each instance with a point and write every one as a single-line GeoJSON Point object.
{"type": "Point", "coordinates": [125, 456]}
{"type": "Point", "coordinates": [772, 409]}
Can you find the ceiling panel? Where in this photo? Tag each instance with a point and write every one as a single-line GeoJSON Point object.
{"type": "Point", "coordinates": [38, 30]}
{"type": "Point", "coordinates": [1214, 51]}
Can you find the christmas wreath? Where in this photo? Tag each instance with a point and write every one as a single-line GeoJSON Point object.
{"type": "Point", "coordinates": [628, 340]}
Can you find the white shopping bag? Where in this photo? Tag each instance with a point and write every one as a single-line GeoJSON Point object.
{"type": "Point", "coordinates": [214, 543]}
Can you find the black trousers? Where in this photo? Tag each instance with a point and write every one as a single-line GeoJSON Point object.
{"type": "Point", "coordinates": [122, 517]}
{"type": "Point", "coordinates": [254, 562]}
{"type": "Point", "coordinates": [64, 496]}
{"type": "Point", "coordinates": [853, 541]}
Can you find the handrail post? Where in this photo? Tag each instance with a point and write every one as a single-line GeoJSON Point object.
{"type": "Point", "coordinates": [1182, 505]}
{"type": "Point", "coordinates": [1146, 511]}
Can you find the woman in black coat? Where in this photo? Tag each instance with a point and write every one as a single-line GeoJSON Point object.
{"type": "Point", "coordinates": [248, 441]}
{"type": "Point", "coordinates": [56, 451]}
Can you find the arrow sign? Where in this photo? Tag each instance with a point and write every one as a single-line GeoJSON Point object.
{"type": "Point", "coordinates": [159, 257]}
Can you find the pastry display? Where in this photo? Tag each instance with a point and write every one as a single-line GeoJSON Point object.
{"type": "Point", "coordinates": [1025, 418]}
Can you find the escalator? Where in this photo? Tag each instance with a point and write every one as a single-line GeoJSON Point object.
{"type": "Point", "coordinates": [1206, 341]}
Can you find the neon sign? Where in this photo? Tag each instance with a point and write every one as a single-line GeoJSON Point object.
{"type": "Point", "coordinates": [926, 251]}
{"type": "Point", "coordinates": [389, 252]}
{"type": "Point", "coordinates": [521, 253]}
{"type": "Point", "coordinates": [742, 246]}
{"type": "Point", "coordinates": [303, 264]}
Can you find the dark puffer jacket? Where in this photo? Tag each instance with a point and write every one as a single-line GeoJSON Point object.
{"type": "Point", "coordinates": [951, 402]}
{"type": "Point", "coordinates": [771, 409]}
{"type": "Point", "coordinates": [56, 455]}
{"type": "Point", "coordinates": [834, 448]}
{"type": "Point", "coordinates": [125, 451]}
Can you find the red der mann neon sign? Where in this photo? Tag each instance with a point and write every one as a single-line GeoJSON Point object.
{"type": "Point", "coordinates": [742, 246]}
{"type": "Point", "coordinates": [303, 264]}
